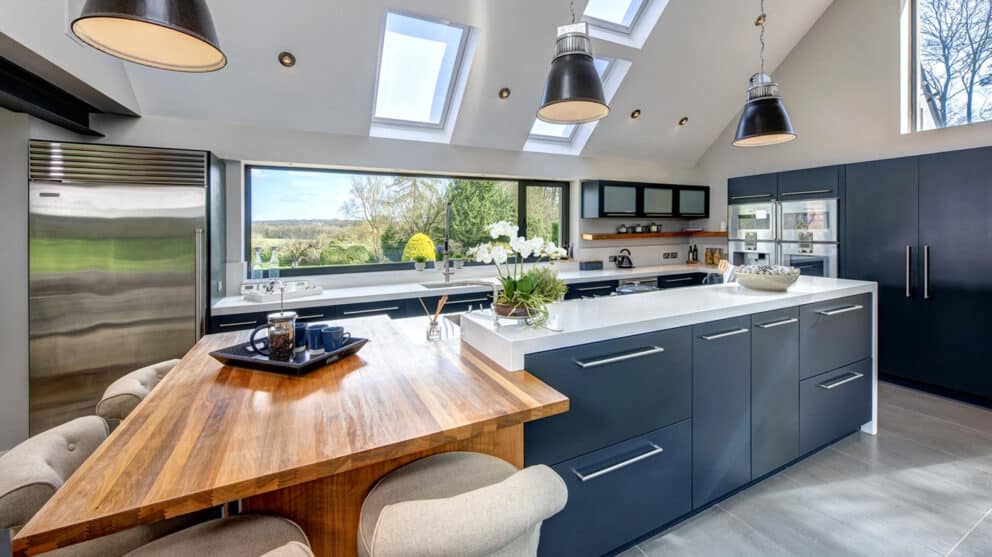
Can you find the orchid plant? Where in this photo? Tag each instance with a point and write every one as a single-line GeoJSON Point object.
{"type": "Point", "coordinates": [524, 290]}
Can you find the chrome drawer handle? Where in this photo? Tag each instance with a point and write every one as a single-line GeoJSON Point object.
{"type": "Point", "coordinates": [238, 324]}
{"type": "Point", "coordinates": [588, 288]}
{"type": "Point", "coordinates": [846, 378]}
{"type": "Point", "coordinates": [373, 310]}
{"type": "Point", "coordinates": [754, 196]}
{"type": "Point", "coordinates": [788, 321]}
{"type": "Point", "coordinates": [620, 358]}
{"type": "Point", "coordinates": [472, 301]}
{"type": "Point", "coordinates": [678, 279]}
{"type": "Point", "coordinates": [655, 450]}
{"type": "Point", "coordinates": [807, 192]}
{"type": "Point", "coordinates": [838, 311]}
{"type": "Point", "coordinates": [724, 335]}
{"type": "Point", "coordinates": [314, 316]}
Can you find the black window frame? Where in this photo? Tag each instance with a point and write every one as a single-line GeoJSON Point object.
{"type": "Point", "coordinates": [522, 185]}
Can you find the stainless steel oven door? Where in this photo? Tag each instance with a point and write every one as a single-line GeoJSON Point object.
{"type": "Point", "coordinates": [752, 252]}
{"type": "Point", "coordinates": [812, 220]}
{"type": "Point", "coordinates": [817, 260]}
{"type": "Point", "coordinates": [752, 220]}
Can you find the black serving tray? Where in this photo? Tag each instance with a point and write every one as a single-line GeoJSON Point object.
{"type": "Point", "coordinates": [242, 355]}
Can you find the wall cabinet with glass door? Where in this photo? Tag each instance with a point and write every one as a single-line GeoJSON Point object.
{"type": "Point", "coordinates": [606, 199]}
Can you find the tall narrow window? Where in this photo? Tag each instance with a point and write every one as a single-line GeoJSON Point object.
{"type": "Point", "coordinates": [418, 62]}
{"type": "Point", "coordinates": [953, 68]}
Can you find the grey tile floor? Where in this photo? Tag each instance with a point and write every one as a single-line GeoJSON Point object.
{"type": "Point", "coordinates": [922, 486]}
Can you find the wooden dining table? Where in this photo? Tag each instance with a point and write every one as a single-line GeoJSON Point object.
{"type": "Point", "coordinates": [307, 448]}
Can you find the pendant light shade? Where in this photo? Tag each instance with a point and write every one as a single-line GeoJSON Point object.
{"type": "Point", "coordinates": [764, 120]}
{"type": "Point", "coordinates": [175, 35]}
{"type": "Point", "coordinates": [574, 92]}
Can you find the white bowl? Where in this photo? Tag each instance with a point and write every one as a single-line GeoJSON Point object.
{"type": "Point", "coordinates": [773, 283]}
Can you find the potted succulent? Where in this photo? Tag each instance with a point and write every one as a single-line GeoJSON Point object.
{"type": "Point", "coordinates": [459, 260]}
{"type": "Point", "coordinates": [419, 262]}
{"type": "Point", "coordinates": [526, 293]}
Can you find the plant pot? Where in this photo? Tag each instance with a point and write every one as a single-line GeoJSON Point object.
{"type": "Point", "coordinates": [419, 266]}
{"type": "Point", "coordinates": [459, 263]}
{"type": "Point", "coordinates": [509, 310]}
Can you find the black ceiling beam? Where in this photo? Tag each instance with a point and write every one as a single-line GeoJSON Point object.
{"type": "Point", "coordinates": [23, 91]}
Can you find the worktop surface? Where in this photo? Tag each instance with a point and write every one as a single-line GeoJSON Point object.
{"type": "Point", "coordinates": [382, 292]}
{"type": "Point", "coordinates": [576, 322]}
{"type": "Point", "coordinates": [209, 433]}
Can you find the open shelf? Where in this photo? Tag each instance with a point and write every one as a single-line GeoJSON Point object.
{"type": "Point", "coordinates": [644, 235]}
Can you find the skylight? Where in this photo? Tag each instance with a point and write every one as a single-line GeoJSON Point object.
{"type": "Point", "coordinates": [617, 15]}
{"type": "Point", "coordinates": [418, 63]}
{"type": "Point", "coordinates": [542, 130]}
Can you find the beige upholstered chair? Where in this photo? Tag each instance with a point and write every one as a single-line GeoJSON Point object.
{"type": "Point", "coordinates": [123, 395]}
{"type": "Point", "coordinates": [459, 503]}
{"type": "Point", "coordinates": [33, 471]}
{"type": "Point", "coordinates": [246, 535]}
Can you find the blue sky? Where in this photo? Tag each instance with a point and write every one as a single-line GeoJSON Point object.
{"type": "Point", "coordinates": [298, 194]}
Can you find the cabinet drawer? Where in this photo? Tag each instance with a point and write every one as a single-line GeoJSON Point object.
{"type": "Point", "coordinates": [591, 289]}
{"type": "Point", "coordinates": [456, 303]}
{"type": "Point", "coordinates": [236, 322]}
{"type": "Point", "coordinates": [774, 390]}
{"type": "Point", "coordinates": [315, 315]}
{"type": "Point", "coordinates": [392, 308]}
{"type": "Point", "coordinates": [811, 183]}
{"type": "Point", "coordinates": [621, 492]}
{"type": "Point", "coordinates": [676, 281]}
{"type": "Point", "coordinates": [618, 389]}
{"type": "Point", "coordinates": [834, 404]}
{"type": "Point", "coordinates": [834, 334]}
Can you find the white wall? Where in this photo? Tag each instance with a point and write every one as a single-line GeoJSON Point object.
{"type": "Point", "coordinates": [14, 294]}
{"type": "Point", "coordinates": [842, 87]}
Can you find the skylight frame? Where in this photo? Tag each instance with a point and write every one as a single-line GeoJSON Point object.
{"type": "Point", "coordinates": [456, 70]}
{"type": "Point", "coordinates": [610, 63]}
{"type": "Point", "coordinates": [618, 27]}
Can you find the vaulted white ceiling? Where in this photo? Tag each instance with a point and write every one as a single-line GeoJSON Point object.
{"type": "Point", "coordinates": [695, 63]}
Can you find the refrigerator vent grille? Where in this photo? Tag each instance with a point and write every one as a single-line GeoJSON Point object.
{"type": "Point", "coordinates": [82, 163]}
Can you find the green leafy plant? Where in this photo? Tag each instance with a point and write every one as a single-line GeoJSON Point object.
{"type": "Point", "coordinates": [419, 259]}
{"type": "Point", "coordinates": [458, 256]}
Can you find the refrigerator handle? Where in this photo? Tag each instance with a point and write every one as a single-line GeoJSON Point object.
{"type": "Point", "coordinates": [199, 298]}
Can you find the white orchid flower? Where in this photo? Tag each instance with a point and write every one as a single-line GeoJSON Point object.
{"type": "Point", "coordinates": [502, 229]}
{"type": "Point", "coordinates": [520, 246]}
{"type": "Point", "coordinates": [535, 245]}
{"type": "Point", "coordinates": [483, 253]}
{"type": "Point", "coordinates": [499, 255]}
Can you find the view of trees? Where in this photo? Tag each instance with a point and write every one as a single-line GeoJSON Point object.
{"type": "Point", "coordinates": [955, 61]}
{"type": "Point", "coordinates": [377, 215]}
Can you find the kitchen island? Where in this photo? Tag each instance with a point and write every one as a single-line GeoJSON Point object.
{"type": "Point", "coordinates": [308, 448]}
{"type": "Point", "coordinates": [679, 398]}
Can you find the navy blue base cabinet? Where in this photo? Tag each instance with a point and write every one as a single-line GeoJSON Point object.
{"type": "Point", "coordinates": [622, 492]}
{"type": "Point", "coordinates": [774, 390]}
{"type": "Point", "coordinates": [834, 404]}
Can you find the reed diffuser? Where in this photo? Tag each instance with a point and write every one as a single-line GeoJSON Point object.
{"type": "Point", "coordinates": [434, 325]}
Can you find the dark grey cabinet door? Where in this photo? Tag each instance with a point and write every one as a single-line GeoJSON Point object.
{"type": "Point", "coordinates": [834, 404]}
{"type": "Point", "coordinates": [810, 183]}
{"type": "Point", "coordinates": [956, 232]}
{"type": "Point", "coordinates": [834, 333]}
{"type": "Point", "coordinates": [880, 245]}
{"type": "Point", "coordinates": [721, 408]}
{"type": "Point", "coordinates": [774, 390]}
{"type": "Point", "coordinates": [617, 389]}
{"type": "Point", "coordinates": [752, 189]}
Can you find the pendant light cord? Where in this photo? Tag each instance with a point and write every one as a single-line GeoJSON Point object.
{"type": "Point", "coordinates": [571, 7]}
{"type": "Point", "coordinates": [761, 18]}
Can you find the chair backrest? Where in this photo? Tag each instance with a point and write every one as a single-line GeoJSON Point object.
{"type": "Point", "coordinates": [291, 549]}
{"type": "Point", "coordinates": [124, 394]}
{"type": "Point", "coordinates": [33, 471]}
{"type": "Point", "coordinates": [484, 521]}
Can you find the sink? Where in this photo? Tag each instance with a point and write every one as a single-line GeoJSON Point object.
{"type": "Point", "coordinates": [452, 284]}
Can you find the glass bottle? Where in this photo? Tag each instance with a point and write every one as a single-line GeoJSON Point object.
{"type": "Point", "coordinates": [274, 263]}
{"type": "Point", "coordinates": [256, 265]}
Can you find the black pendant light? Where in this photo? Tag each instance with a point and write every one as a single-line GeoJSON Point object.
{"type": "Point", "coordinates": [175, 35]}
{"type": "Point", "coordinates": [574, 92]}
{"type": "Point", "coordinates": [764, 120]}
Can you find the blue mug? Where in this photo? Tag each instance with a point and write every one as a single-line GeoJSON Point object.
{"type": "Point", "coordinates": [314, 341]}
{"type": "Point", "coordinates": [300, 338]}
{"type": "Point", "coordinates": [334, 338]}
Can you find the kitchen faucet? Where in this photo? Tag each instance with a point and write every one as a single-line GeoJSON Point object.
{"type": "Point", "coordinates": [446, 259]}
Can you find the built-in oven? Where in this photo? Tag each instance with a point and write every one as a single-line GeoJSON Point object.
{"type": "Point", "coordinates": [818, 260]}
{"type": "Point", "coordinates": [812, 220]}
{"type": "Point", "coordinates": [752, 220]}
{"type": "Point", "coordinates": [752, 251]}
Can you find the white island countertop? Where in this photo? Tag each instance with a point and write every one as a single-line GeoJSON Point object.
{"type": "Point", "coordinates": [398, 291]}
{"type": "Point", "coordinates": [578, 322]}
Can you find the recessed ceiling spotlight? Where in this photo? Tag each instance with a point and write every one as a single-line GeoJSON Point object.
{"type": "Point", "coordinates": [287, 59]}
{"type": "Point", "coordinates": [684, 120]}
{"type": "Point", "coordinates": [635, 114]}
{"type": "Point", "coordinates": [504, 93]}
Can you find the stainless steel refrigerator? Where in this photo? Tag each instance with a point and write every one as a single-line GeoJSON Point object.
{"type": "Point", "coordinates": [117, 263]}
